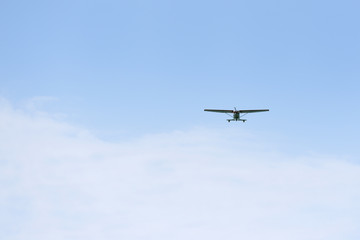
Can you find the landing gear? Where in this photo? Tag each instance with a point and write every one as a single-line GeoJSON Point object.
{"type": "Point", "coordinates": [229, 120]}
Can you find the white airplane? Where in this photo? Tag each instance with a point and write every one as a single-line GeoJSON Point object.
{"type": "Point", "coordinates": [236, 114]}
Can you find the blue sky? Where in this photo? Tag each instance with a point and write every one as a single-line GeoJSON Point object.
{"type": "Point", "coordinates": [116, 72]}
{"type": "Point", "coordinates": [132, 67]}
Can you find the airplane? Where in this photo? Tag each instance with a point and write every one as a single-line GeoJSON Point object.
{"type": "Point", "coordinates": [237, 114]}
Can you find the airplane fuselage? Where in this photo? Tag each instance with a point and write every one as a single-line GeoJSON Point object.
{"type": "Point", "coordinates": [236, 117]}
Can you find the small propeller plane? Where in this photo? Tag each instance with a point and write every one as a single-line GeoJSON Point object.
{"type": "Point", "coordinates": [236, 114]}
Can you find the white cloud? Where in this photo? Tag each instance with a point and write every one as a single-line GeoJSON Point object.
{"type": "Point", "coordinates": [61, 182]}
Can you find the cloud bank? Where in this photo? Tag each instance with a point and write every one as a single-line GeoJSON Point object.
{"type": "Point", "coordinates": [61, 182]}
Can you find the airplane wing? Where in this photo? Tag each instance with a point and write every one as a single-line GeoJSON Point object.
{"type": "Point", "coordinates": [219, 110]}
{"type": "Point", "coordinates": [252, 111]}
